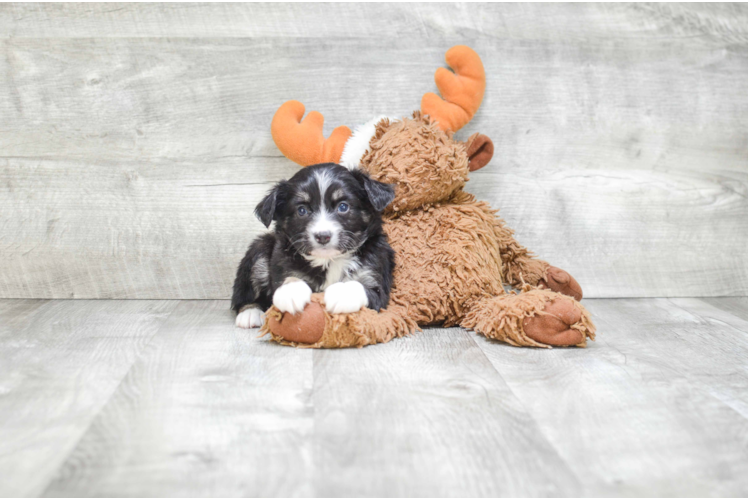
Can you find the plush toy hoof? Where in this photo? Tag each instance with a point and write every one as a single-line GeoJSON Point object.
{"type": "Point", "coordinates": [306, 327]}
{"type": "Point", "coordinates": [560, 281]}
{"type": "Point", "coordinates": [553, 327]}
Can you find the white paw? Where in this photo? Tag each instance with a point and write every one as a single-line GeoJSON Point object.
{"type": "Point", "coordinates": [292, 297]}
{"type": "Point", "coordinates": [250, 318]}
{"type": "Point", "coordinates": [345, 297]}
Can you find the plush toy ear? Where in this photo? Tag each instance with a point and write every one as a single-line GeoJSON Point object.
{"type": "Point", "coordinates": [265, 210]}
{"type": "Point", "coordinates": [380, 194]}
{"type": "Point", "coordinates": [479, 151]}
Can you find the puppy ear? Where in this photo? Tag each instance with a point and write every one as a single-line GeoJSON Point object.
{"type": "Point", "coordinates": [265, 210]}
{"type": "Point", "coordinates": [380, 194]}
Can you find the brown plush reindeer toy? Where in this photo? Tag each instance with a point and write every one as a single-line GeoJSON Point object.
{"type": "Point", "coordinates": [453, 254]}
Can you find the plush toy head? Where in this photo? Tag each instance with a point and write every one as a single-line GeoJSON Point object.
{"type": "Point", "coordinates": [417, 155]}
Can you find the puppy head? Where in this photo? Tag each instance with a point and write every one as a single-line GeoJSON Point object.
{"type": "Point", "coordinates": [326, 210]}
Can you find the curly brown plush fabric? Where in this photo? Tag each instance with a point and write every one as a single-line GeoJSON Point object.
{"type": "Point", "coordinates": [451, 256]}
{"type": "Point", "coordinates": [347, 330]}
{"type": "Point", "coordinates": [504, 318]}
{"type": "Point", "coordinates": [454, 254]}
{"type": "Point", "coordinates": [420, 159]}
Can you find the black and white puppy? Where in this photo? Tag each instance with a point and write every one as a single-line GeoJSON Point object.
{"type": "Point", "coordinates": [328, 237]}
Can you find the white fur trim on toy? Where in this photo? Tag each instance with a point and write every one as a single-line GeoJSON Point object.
{"type": "Point", "coordinates": [358, 143]}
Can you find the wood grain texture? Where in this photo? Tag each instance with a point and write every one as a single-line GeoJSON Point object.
{"type": "Point", "coordinates": [59, 364]}
{"type": "Point", "coordinates": [520, 21]}
{"type": "Point", "coordinates": [136, 398]}
{"type": "Point", "coordinates": [620, 133]}
{"type": "Point", "coordinates": [737, 306]}
{"type": "Point", "coordinates": [209, 410]}
{"type": "Point", "coordinates": [655, 407]}
{"type": "Point", "coordinates": [129, 231]}
{"type": "Point", "coordinates": [427, 416]}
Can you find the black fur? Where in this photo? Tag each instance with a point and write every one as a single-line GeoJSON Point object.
{"type": "Point", "coordinates": [286, 252]}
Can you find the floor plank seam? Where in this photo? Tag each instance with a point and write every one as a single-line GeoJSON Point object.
{"type": "Point", "coordinates": [706, 320]}
{"type": "Point", "coordinates": [473, 336]}
{"type": "Point", "coordinates": [137, 359]}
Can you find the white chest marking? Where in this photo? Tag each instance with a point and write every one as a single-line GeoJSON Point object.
{"type": "Point", "coordinates": [336, 271]}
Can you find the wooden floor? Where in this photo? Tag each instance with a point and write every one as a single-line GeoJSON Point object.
{"type": "Point", "coordinates": [154, 398]}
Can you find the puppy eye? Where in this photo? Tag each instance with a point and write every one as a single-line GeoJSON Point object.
{"type": "Point", "coordinates": [343, 208]}
{"type": "Point", "coordinates": [302, 211]}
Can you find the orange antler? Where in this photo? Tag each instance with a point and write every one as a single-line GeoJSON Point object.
{"type": "Point", "coordinates": [462, 90]}
{"type": "Point", "coordinates": [302, 141]}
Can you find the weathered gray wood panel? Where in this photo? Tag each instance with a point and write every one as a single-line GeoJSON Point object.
{"type": "Point", "coordinates": [734, 305]}
{"type": "Point", "coordinates": [427, 416]}
{"type": "Point", "coordinates": [208, 410]}
{"type": "Point", "coordinates": [129, 230]}
{"type": "Point", "coordinates": [60, 362]}
{"type": "Point", "coordinates": [655, 407]}
{"type": "Point", "coordinates": [622, 146]}
{"type": "Point", "coordinates": [520, 21]}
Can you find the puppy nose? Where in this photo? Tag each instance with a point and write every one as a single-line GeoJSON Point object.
{"type": "Point", "coordinates": [323, 238]}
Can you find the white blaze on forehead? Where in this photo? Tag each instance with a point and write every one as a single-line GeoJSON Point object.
{"type": "Point", "coordinates": [322, 220]}
{"type": "Point", "coordinates": [323, 178]}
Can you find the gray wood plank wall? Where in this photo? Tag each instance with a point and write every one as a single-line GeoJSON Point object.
{"type": "Point", "coordinates": [135, 139]}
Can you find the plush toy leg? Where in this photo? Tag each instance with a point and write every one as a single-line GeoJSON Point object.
{"type": "Point", "coordinates": [520, 267]}
{"type": "Point", "coordinates": [537, 318]}
{"type": "Point", "coordinates": [315, 327]}
{"type": "Point", "coordinates": [560, 281]}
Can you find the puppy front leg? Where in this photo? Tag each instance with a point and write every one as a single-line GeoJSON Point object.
{"type": "Point", "coordinates": [250, 298]}
{"type": "Point", "coordinates": [345, 297]}
{"type": "Point", "coordinates": [293, 296]}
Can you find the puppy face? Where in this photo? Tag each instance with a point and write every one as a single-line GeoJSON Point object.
{"type": "Point", "coordinates": [326, 210]}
